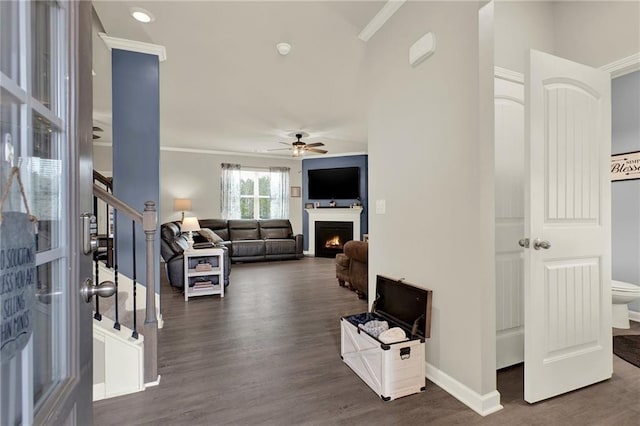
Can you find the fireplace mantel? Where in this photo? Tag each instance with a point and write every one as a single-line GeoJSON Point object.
{"type": "Point", "coordinates": [337, 214]}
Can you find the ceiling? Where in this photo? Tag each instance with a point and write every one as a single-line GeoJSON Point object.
{"type": "Point", "coordinates": [225, 88]}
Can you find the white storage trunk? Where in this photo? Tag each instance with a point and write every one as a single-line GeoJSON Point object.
{"type": "Point", "coordinates": [397, 369]}
{"type": "Point", "coordinates": [392, 371]}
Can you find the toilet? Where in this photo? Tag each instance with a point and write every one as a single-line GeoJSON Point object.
{"type": "Point", "coordinates": [622, 294]}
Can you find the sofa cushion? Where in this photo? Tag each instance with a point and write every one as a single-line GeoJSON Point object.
{"type": "Point", "coordinates": [243, 230]}
{"type": "Point", "coordinates": [211, 236]}
{"type": "Point", "coordinates": [219, 226]}
{"type": "Point", "coordinates": [247, 248]}
{"type": "Point", "coordinates": [284, 246]}
{"type": "Point", "coordinates": [275, 228]}
{"type": "Point", "coordinates": [274, 233]}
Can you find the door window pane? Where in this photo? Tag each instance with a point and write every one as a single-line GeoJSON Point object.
{"type": "Point", "coordinates": [48, 330]}
{"type": "Point", "coordinates": [44, 40]}
{"type": "Point", "coordinates": [10, 48]}
{"type": "Point", "coordinates": [42, 178]}
{"type": "Point", "coordinates": [10, 116]}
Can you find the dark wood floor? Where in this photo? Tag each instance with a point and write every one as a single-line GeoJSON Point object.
{"type": "Point", "coordinates": [269, 353]}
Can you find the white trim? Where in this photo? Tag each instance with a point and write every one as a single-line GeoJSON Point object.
{"type": "Point", "coordinates": [380, 19]}
{"type": "Point", "coordinates": [623, 66]}
{"type": "Point", "coordinates": [634, 315]}
{"type": "Point", "coordinates": [482, 404]}
{"type": "Point", "coordinates": [508, 75]}
{"type": "Point", "coordinates": [156, 382]}
{"type": "Point", "coordinates": [134, 46]}
{"type": "Point", "coordinates": [337, 214]}
{"type": "Point", "coordinates": [241, 154]}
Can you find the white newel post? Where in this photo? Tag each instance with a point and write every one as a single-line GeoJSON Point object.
{"type": "Point", "coordinates": [332, 214]}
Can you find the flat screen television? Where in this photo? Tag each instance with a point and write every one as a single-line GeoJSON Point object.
{"type": "Point", "coordinates": [334, 184]}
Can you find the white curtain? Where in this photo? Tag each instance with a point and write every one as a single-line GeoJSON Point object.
{"type": "Point", "coordinates": [230, 191]}
{"type": "Point", "coordinates": [279, 178]}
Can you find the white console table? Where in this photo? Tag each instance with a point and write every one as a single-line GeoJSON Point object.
{"type": "Point", "coordinates": [211, 256]}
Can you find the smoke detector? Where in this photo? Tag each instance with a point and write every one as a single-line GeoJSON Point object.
{"type": "Point", "coordinates": [283, 48]}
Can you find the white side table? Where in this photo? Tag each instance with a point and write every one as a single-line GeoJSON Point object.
{"type": "Point", "coordinates": [207, 279]}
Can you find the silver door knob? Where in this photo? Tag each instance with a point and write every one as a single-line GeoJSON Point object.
{"type": "Point", "coordinates": [104, 289]}
{"type": "Point", "coordinates": [538, 244]}
{"type": "Point", "coordinates": [524, 242]}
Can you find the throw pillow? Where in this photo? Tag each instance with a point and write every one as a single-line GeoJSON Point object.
{"type": "Point", "coordinates": [210, 235]}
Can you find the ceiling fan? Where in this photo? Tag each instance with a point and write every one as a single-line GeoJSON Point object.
{"type": "Point", "coordinates": [298, 147]}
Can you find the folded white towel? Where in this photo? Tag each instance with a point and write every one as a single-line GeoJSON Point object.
{"type": "Point", "coordinates": [393, 335]}
{"type": "Point", "coordinates": [374, 327]}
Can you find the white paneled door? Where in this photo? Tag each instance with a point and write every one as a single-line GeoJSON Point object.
{"type": "Point", "coordinates": [567, 279]}
{"type": "Point", "coordinates": [509, 178]}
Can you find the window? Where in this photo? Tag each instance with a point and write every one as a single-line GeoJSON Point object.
{"type": "Point", "coordinates": [255, 198]}
{"type": "Point", "coordinates": [254, 194]}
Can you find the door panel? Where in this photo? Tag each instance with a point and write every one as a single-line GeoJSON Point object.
{"type": "Point", "coordinates": [567, 285]}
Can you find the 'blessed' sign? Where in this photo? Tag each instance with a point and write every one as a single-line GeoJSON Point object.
{"type": "Point", "coordinates": [625, 166]}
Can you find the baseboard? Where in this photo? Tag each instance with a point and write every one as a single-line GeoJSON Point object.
{"type": "Point", "coordinates": [153, 383]}
{"type": "Point", "coordinates": [482, 404]}
{"type": "Point", "coordinates": [634, 315]}
{"type": "Point", "coordinates": [98, 392]}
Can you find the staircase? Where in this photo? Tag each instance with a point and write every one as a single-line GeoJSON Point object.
{"type": "Point", "coordinates": [125, 352]}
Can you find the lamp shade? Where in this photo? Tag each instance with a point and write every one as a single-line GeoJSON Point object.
{"type": "Point", "coordinates": [181, 204]}
{"type": "Point", "coordinates": [190, 224]}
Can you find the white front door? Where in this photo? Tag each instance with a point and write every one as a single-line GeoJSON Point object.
{"type": "Point", "coordinates": [45, 131]}
{"type": "Point", "coordinates": [567, 203]}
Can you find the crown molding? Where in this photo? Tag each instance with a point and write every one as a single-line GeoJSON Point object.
{"type": "Point", "coordinates": [380, 19]}
{"type": "Point", "coordinates": [134, 46]}
{"type": "Point", "coordinates": [239, 154]}
{"type": "Point", "coordinates": [623, 66]}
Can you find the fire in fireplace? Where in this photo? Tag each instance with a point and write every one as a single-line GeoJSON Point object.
{"type": "Point", "coordinates": [331, 237]}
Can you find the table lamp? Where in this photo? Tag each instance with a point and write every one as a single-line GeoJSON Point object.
{"type": "Point", "coordinates": [181, 204]}
{"type": "Point", "coordinates": [190, 224]}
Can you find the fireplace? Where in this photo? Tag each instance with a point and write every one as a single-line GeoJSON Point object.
{"type": "Point", "coordinates": [331, 236]}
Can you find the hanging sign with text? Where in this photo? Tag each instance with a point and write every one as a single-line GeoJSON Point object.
{"type": "Point", "coordinates": [17, 282]}
{"type": "Point", "coordinates": [625, 166]}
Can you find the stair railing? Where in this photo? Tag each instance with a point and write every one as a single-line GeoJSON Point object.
{"type": "Point", "coordinates": [149, 222]}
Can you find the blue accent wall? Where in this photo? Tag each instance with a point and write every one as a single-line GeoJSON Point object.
{"type": "Point", "coordinates": [136, 150]}
{"type": "Point", "coordinates": [360, 161]}
{"type": "Point", "coordinates": [625, 195]}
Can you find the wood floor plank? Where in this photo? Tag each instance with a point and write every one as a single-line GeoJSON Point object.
{"type": "Point", "coordinates": [269, 353]}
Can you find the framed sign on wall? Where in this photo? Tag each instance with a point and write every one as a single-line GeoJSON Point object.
{"type": "Point", "coordinates": [625, 166]}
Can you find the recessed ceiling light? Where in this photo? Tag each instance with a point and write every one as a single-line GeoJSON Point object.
{"type": "Point", "coordinates": [142, 15]}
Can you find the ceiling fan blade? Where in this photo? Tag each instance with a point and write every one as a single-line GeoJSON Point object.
{"type": "Point", "coordinates": [319, 151]}
{"type": "Point", "coordinates": [285, 143]}
{"type": "Point", "coordinates": [279, 149]}
{"type": "Point", "coordinates": [312, 145]}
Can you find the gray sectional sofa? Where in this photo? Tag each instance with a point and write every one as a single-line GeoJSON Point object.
{"type": "Point", "coordinates": [246, 240]}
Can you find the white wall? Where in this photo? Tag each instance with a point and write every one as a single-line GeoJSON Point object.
{"type": "Point", "coordinates": [597, 33]}
{"type": "Point", "coordinates": [197, 176]}
{"type": "Point", "coordinates": [520, 26]}
{"type": "Point", "coordinates": [424, 161]}
{"type": "Point", "coordinates": [593, 33]}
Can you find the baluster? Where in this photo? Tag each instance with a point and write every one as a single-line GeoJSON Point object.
{"type": "Point", "coordinates": [116, 324]}
{"type": "Point", "coordinates": [135, 309]}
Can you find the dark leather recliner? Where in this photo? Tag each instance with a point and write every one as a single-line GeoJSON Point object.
{"type": "Point", "coordinates": [172, 245]}
{"type": "Point", "coordinates": [358, 254]}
